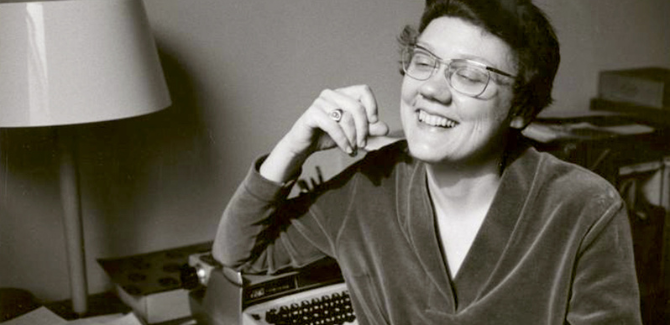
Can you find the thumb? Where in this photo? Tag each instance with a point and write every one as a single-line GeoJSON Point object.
{"type": "Point", "coordinates": [378, 129]}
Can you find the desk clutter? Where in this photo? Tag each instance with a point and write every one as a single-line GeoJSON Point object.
{"type": "Point", "coordinates": [646, 87]}
{"type": "Point", "coordinates": [314, 294]}
{"type": "Point", "coordinates": [156, 284]}
{"type": "Point", "coordinates": [44, 316]}
{"type": "Point", "coordinates": [629, 102]}
{"type": "Point", "coordinates": [642, 93]}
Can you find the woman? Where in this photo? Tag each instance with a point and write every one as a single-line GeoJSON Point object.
{"type": "Point", "coordinates": [461, 223]}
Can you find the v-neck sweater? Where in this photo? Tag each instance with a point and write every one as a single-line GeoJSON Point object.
{"type": "Point", "coordinates": [555, 246]}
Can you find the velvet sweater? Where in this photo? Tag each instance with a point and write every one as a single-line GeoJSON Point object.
{"type": "Point", "coordinates": [554, 248]}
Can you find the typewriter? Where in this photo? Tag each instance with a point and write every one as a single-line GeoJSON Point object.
{"type": "Point", "coordinates": [315, 294]}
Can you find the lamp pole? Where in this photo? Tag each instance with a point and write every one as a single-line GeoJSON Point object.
{"type": "Point", "coordinates": [72, 218]}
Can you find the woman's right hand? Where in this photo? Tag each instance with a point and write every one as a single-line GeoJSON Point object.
{"type": "Point", "coordinates": [316, 130]}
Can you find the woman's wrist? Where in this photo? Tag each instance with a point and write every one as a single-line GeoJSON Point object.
{"type": "Point", "coordinates": [282, 164]}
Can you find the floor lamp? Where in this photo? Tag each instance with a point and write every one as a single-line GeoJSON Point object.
{"type": "Point", "coordinates": [71, 62]}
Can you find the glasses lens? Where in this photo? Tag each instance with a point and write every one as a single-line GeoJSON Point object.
{"type": "Point", "coordinates": [418, 64]}
{"type": "Point", "coordinates": [468, 78]}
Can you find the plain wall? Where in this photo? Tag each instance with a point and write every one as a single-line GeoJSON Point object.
{"type": "Point", "coordinates": [240, 73]}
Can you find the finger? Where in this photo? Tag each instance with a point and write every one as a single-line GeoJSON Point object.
{"type": "Point", "coordinates": [364, 94]}
{"type": "Point", "coordinates": [346, 122]}
{"type": "Point", "coordinates": [333, 130]}
{"type": "Point", "coordinates": [357, 111]}
{"type": "Point", "coordinates": [379, 129]}
{"type": "Point", "coordinates": [350, 128]}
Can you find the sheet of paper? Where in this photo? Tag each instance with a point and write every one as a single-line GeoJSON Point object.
{"type": "Point", "coordinates": [44, 316]}
{"type": "Point", "coordinates": [96, 320]}
{"type": "Point", "coordinates": [39, 316]}
{"type": "Point", "coordinates": [129, 319]}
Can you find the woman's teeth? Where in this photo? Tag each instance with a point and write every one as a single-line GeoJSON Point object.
{"type": "Point", "coordinates": [435, 120]}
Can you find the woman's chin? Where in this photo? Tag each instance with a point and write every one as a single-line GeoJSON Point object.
{"type": "Point", "coordinates": [427, 153]}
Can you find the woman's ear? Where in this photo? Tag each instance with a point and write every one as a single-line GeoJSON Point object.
{"type": "Point", "coordinates": [518, 122]}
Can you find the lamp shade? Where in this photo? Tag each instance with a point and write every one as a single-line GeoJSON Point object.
{"type": "Point", "coordinates": [77, 61]}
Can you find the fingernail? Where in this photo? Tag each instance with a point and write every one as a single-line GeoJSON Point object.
{"type": "Point", "coordinates": [363, 144]}
{"type": "Point", "coordinates": [348, 150]}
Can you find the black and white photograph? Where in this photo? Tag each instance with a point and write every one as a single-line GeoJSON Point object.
{"type": "Point", "coordinates": [349, 162]}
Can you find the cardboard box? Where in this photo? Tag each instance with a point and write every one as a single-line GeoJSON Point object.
{"type": "Point", "coordinates": [648, 87]}
{"type": "Point", "coordinates": [645, 114]}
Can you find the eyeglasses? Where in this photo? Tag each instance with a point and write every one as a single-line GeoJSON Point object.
{"type": "Point", "coordinates": [465, 76]}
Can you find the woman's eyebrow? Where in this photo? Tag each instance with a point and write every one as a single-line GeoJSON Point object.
{"type": "Point", "coordinates": [475, 58]}
{"type": "Point", "coordinates": [426, 48]}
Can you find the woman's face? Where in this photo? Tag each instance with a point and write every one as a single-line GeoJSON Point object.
{"type": "Point", "coordinates": [442, 125]}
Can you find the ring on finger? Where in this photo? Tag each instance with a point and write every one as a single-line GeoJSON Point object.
{"type": "Point", "coordinates": [336, 114]}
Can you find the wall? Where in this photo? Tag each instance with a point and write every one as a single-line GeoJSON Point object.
{"type": "Point", "coordinates": [600, 35]}
{"type": "Point", "coordinates": [240, 73]}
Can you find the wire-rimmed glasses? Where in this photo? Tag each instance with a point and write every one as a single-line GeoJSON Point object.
{"type": "Point", "coordinates": [465, 76]}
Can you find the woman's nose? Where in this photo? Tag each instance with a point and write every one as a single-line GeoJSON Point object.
{"type": "Point", "coordinates": [437, 88]}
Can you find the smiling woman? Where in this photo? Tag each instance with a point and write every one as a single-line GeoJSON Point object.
{"type": "Point", "coordinates": [480, 118]}
{"type": "Point", "coordinates": [463, 222]}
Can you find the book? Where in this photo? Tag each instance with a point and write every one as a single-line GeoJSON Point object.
{"type": "Point", "coordinates": [648, 87]}
{"type": "Point", "coordinates": [151, 283]}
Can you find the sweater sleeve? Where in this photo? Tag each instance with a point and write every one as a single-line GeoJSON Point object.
{"type": "Point", "coordinates": [262, 231]}
{"type": "Point", "coordinates": [604, 289]}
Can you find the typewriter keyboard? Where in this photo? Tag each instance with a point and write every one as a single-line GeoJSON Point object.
{"type": "Point", "coordinates": [322, 306]}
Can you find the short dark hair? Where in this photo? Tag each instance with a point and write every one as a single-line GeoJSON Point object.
{"type": "Point", "coordinates": [520, 24]}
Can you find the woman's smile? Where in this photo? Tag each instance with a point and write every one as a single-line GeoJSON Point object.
{"type": "Point", "coordinates": [435, 121]}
